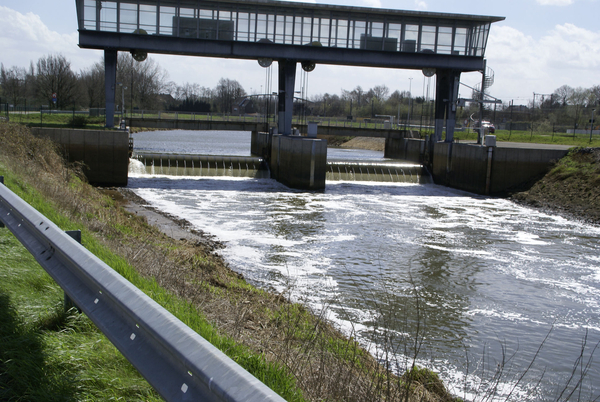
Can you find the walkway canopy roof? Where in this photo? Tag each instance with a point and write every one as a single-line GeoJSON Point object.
{"type": "Point", "coordinates": [253, 29]}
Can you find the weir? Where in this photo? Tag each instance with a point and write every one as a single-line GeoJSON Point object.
{"type": "Point", "coordinates": [200, 165]}
{"type": "Point", "coordinates": [382, 172]}
{"type": "Point", "coordinates": [254, 167]}
{"type": "Point", "coordinates": [445, 45]}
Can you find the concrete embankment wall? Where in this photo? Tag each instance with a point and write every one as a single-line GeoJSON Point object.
{"type": "Point", "coordinates": [299, 162]}
{"type": "Point", "coordinates": [475, 168]}
{"type": "Point", "coordinates": [460, 166]}
{"type": "Point", "coordinates": [489, 170]}
{"type": "Point", "coordinates": [407, 149]}
{"type": "Point", "coordinates": [105, 153]}
{"type": "Point", "coordinates": [260, 144]}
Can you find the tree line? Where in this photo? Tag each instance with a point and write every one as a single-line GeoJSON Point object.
{"type": "Point", "coordinates": [145, 86]}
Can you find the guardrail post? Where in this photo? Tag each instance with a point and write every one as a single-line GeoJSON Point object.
{"type": "Point", "coordinates": [1, 182]}
{"type": "Point", "coordinates": [68, 303]}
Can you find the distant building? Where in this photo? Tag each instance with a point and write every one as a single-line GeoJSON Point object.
{"type": "Point", "coordinates": [166, 101]}
{"type": "Point", "coordinates": [242, 106]}
{"type": "Point", "coordinates": [518, 108]}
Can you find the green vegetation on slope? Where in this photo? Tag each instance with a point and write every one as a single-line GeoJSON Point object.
{"type": "Point", "coordinates": [572, 186]}
{"type": "Point", "coordinates": [295, 352]}
{"type": "Point", "coordinates": [537, 137]}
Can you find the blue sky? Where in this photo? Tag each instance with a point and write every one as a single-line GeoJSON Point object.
{"type": "Point", "coordinates": [542, 45]}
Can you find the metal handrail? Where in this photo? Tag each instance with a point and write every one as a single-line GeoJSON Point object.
{"type": "Point", "coordinates": [175, 360]}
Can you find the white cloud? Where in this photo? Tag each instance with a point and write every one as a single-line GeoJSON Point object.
{"type": "Point", "coordinates": [420, 5]}
{"type": "Point", "coordinates": [555, 2]}
{"type": "Point", "coordinates": [567, 55]}
{"type": "Point", "coordinates": [372, 3]}
{"type": "Point", "coordinates": [25, 38]}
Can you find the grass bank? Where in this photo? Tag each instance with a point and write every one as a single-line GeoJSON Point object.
{"type": "Point", "coordinates": [535, 137]}
{"type": "Point", "coordinates": [102, 227]}
{"type": "Point", "coordinates": [294, 351]}
{"type": "Point", "coordinates": [571, 187]}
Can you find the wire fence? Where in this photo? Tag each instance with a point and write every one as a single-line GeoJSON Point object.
{"type": "Point", "coordinates": [509, 120]}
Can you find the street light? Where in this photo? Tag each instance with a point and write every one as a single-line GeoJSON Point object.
{"type": "Point", "coordinates": [592, 125]}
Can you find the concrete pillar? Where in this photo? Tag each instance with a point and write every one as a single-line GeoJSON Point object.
{"type": "Point", "coordinates": [454, 83]}
{"type": "Point", "coordinates": [260, 144]}
{"type": "Point", "coordinates": [110, 82]}
{"type": "Point", "coordinates": [441, 97]}
{"type": "Point", "coordinates": [299, 162]}
{"type": "Point", "coordinates": [446, 97]}
{"type": "Point", "coordinates": [287, 81]}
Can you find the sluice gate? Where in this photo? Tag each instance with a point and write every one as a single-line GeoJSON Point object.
{"type": "Point", "coordinates": [390, 172]}
{"type": "Point", "coordinates": [255, 167]}
{"type": "Point", "coordinates": [201, 165]}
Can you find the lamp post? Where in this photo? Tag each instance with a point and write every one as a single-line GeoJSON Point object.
{"type": "Point", "coordinates": [592, 125]}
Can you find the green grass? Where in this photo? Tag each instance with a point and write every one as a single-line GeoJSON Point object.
{"type": "Point", "coordinates": [577, 163]}
{"type": "Point", "coordinates": [47, 355]}
{"type": "Point", "coordinates": [58, 120]}
{"type": "Point", "coordinates": [577, 140]}
{"type": "Point", "coordinates": [65, 120]}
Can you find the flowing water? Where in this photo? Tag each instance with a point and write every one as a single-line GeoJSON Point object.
{"type": "Point", "coordinates": [478, 280]}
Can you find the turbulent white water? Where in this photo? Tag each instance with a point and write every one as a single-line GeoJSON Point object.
{"type": "Point", "coordinates": [486, 274]}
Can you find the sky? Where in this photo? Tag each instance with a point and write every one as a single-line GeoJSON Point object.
{"type": "Point", "coordinates": [540, 46]}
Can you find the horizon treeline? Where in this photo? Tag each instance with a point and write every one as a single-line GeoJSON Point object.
{"type": "Point", "coordinates": [145, 86]}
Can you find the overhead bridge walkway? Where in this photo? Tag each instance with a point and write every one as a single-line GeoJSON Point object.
{"type": "Point", "coordinates": [291, 33]}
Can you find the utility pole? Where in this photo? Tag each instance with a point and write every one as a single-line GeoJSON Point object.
{"type": "Point", "coordinates": [480, 136]}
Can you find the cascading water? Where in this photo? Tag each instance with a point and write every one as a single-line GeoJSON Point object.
{"type": "Point", "coordinates": [388, 172]}
{"type": "Point", "coordinates": [193, 165]}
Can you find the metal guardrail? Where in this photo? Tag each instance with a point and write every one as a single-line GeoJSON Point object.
{"type": "Point", "coordinates": [176, 361]}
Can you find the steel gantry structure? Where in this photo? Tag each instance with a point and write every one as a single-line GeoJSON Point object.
{"type": "Point", "coordinates": [287, 32]}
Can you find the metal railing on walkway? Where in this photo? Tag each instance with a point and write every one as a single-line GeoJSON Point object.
{"type": "Point", "coordinates": [176, 361]}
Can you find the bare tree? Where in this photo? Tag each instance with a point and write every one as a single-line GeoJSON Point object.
{"type": "Point", "coordinates": [145, 81]}
{"type": "Point", "coordinates": [381, 92]}
{"type": "Point", "coordinates": [226, 92]}
{"type": "Point", "coordinates": [54, 75]}
{"type": "Point", "coordinates": [92, 82]}
{"type": "Point", "coordinates": [13, 83]}
{"type": "Point", "coordinates": [578, 100]}
{"type": "Point", "coordinates": [562, 95]}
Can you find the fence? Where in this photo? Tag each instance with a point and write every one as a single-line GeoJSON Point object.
{"type": "Point", "coordinates": [176, 361]}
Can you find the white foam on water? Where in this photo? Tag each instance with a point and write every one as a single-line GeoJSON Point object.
{"type": "Point", "coordinates": [499, 257]}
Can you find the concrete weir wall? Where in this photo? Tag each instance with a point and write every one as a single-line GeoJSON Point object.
{"type": "Point", "coordinates": [475, 168]}
{"type": "Point", "coordinates": [259, 144]}
{"type": "Point", "coordinates": [105, 153]}
{"type": "Point", "coordinates": [299, 162]}
{"type": "Point", "coordinates": [489, 170]}
{"type": "Point", "coordinates": [407, 149]}
{"type": "Point", "coordinates": [460, 166]}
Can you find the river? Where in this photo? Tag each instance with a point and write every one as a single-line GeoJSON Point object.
{"type": "Point", "coordinates": [478, 280]}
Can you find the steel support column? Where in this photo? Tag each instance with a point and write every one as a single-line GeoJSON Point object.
{"type": "Point", "coordinates": [110, 82]}
{"type": "Point", "coordinates": [446, 97]}
{"type": "Point", "coordinates": [287, 81]}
